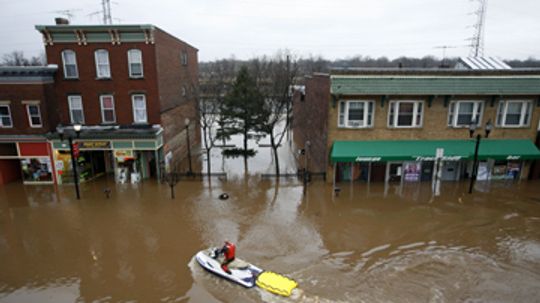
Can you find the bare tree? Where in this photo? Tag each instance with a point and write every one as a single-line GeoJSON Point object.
{"type": "Point", "coordinates": [275, 79]}
{"type": "Point", "coordinates": [214, 85]}
{"type": "Point", "coordinates": [17, 58]}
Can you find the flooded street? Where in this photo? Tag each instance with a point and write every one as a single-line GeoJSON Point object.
{"type": "Point", "coordinates": [369, 244]}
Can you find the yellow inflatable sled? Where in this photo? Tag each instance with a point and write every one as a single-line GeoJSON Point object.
{"type": "Point", "coordinates": [276, 283]}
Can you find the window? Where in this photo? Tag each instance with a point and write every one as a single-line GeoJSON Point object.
{"type": "Point", "coordinates": [184, 58]}
{"type": "Point", "coordinates": [514, 113]}
{"type": "Point", "coordinates": [103, 69]}
{"type": "Point", "coordinates": [405, 114]}
{"type": "Point", "coordinates": [5, 116]}
{"type": "Point", "coordinates": [135, 63]}
{"type": "Point", "coordinates": [70, 64]}
{"type": "Point", "coordinates": [76, 112]}
{"type": "Point", "coordinates": [463, 113]}
{"type": "Point", "coordinates": [139, 109]}
{"type": "Point", "coordinates": [107, 109]}
{"type": "Point", "coordinates": [355, 114]}
{"type": "Point", "coordinates": [34, 115]}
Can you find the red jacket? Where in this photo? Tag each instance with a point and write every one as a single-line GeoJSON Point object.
{"type": "Point", "coordinates": [229, 249]}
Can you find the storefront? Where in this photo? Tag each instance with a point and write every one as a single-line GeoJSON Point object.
{"type": "Point", "coordinates": [129, 157]}
{"type": "Point", "coordinates": [29, 160]}
{"type": "Point", "coordinates": [415, 160]}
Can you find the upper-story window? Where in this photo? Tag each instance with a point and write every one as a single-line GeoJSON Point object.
{"type": "Point", "coordinates": [514, 113]}
{"type": "Point", "coordinates": [5, 116]}
{"type": "Point", "coordinates": [108, 114]}
{"type": "Point", "coordinates": [135, 63]}
{"type": "Point", "coordinates": [405, 113]}
{"type": "Point", "coordinates": [355, 114]}
{"type": "Point", "coordinates": [69, 60]}
{"type": "Point", "coordinates": [34, 115]}
{"type": "Point", "coordinates": [103, 68]}
{"type": "Point", "coordinates": [139, 109]}
{"type": "Point", "coordinates": [463, 113]}
{"type": "Point", "coordinates": [184, 58]}
{"type": "Point", "coordinates": [76, 112]}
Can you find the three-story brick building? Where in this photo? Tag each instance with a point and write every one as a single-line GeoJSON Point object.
{"type": "Point", "coordinates": [132, 87]}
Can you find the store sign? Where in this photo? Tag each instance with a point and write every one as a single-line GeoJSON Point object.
{"type": "Point", "coordinates": [513, 157]}
{"type": "Point", "coordinates": [123, 154]}
{"type": "Point", "coordinates": [75, 148]}
{"type": "Point", "coordinates": [444, 158]}
{"type": "Point", "coordinates": [368, 159]}
{"type": "Point", "coordinates": [95, 144]}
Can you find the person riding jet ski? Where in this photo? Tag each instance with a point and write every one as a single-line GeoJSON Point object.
{"type": "Point", "coordinates": [228, 251]}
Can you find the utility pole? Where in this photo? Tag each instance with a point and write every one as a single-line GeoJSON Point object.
{"type": "Point", "coordinates": [477, 40]}
{"type": "Point", "coordinates": [444, 48]}
{"type": "Point", "coordinates": [106, 6]}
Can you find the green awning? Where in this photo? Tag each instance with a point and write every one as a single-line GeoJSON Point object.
{"type": "Point", "coordinates": [425, 150]}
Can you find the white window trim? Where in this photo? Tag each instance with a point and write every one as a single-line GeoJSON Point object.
{"type": "Point", "coordinates": [7, 105]}
{"type": "Point", "coordinates": [97, 63]}
{"type": "Point", "coordinates": [64, 64]}
{"type": "Point", "coordinates": [134, 108]}
{"type": "Point", "coordinates": [393, 124]}
{"type": "Point", "coordinates": [184, 58]}
{"type": "Point", "coordinates": [502, 123]}
{"type": "Point", "coordinates": [30, 117]}
{"type": "Point", "coordinates": [71, 112]}
{"type": "Point", "coordinates": [456, 112]}
{"type": "Point", "coordinates": [366, 114]}
{"type": "Point", "coordinates": [130, 62]}
{"type": "Point", "coordinates": [103, 110]}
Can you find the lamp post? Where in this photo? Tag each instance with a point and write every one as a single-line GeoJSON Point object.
{"type": "Point", "coordinates": [186, 122]}
{"type": "Point", "coordinates": [77, 128]}
{"type": "Point", "coordinates": [472, 129]}
{"type": "Point", "coordinates": [306, 153]}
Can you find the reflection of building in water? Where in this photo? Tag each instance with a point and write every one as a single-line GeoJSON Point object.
{"type": "Point", "coordinates": [386, 124]}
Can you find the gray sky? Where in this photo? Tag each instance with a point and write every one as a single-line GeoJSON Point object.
{"type": "Point", "coordinates": [332, 29]}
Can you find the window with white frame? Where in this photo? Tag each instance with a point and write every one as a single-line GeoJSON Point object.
{"type": "Point", "coordinates": [135, 63]}
{"type": "Point", "coordinates": [108, 114]}
{"type": "Point", "coordinates": [69, 61]}
{"type": "Point", "coordinates": [34, 115]}
{"type": "Point", "coordinates": [355, 114]}
{"type": "Point", "coordinates": [405, 113]}
{"type": "Point", "coordinates": [139, 109]}
{"type": "Point", "coordinates": [103, 68]}
{"type": "Point", "coordinates": [463, 113]}
{"type": "Point", "coordinates": [514, 113]}
{"type": "Point", "coordinates": [76, 112]}
{"type": "Point", "coordinates": [184, 58]}
{"type": "Point", "coordinates": [5, 116]}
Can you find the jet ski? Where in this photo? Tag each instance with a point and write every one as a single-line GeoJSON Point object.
{"type": "Point", "coordinates": [242, 272]}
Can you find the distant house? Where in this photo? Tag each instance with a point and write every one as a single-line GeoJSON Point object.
{"type": "Point", "coordinates": [386, 124]}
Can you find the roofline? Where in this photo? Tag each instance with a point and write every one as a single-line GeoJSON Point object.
{"type": "Point", "coordinates": [431, 71]}
{"type": "Point", "coordinates": [71, 27]}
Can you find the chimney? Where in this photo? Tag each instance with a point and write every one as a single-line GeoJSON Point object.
{"type": "Point", "coordinates": [61, 21]}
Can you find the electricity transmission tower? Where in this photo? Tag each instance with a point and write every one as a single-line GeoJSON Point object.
{"type": "Point", "coordinates": [477, 40]}
{"type": "Point", "coordinates": [106, 5]}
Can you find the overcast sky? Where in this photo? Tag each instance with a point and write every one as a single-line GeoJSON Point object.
{"type": "Point", "coordinates": [332, 29]}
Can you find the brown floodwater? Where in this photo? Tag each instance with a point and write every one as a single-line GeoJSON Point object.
{"type": "Point", "coordinates": [372, 243]}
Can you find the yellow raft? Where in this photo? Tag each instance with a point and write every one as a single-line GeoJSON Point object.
{"type": "Point", "coordinates": [276, 283]}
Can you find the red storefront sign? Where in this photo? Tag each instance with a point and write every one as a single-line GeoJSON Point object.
{"type": "Point", "coordinates": [33, 149]}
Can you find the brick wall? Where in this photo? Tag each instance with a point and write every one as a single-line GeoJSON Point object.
{"type": "Point", "coordinates": [17, 93]}
{"type": "Point", "coordinates": [310, 121]}
{"type": "Point", "coordinates": [120, 85]}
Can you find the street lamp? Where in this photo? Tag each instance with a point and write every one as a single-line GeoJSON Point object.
{"type": "Point", "coordinates": [472, 129]}
{"type": "Point", "coordinates": [186, 122]}
{"type": "Point", "coordinates": [77, 128]}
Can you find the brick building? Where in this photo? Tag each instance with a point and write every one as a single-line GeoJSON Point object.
{"type": "Point", "coordinates": [386, 124]}
{"type": "Point", "coordinates": [25, 120]}
{"type": "Point", "coordinates": [132, 87]}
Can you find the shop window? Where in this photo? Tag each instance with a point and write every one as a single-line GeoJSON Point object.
{"type": "Point", "coordinates": [5, 116]}
{"type": "Point", "coordinates": [103, 68]}
{"type": "Point", "coordinates": [69, 60]}
{"type": "Point", "coordinates": [356, 114]}
{"type": "Point", "coordinates": [36, 170]}
{"type": "Point", "coordinates": [139, 109]}
{"type": "Point", "coordinates": [34, 115]}
{"type": "Point", "coordinates": [514, 113]}
{"type": "Point", "coordinates": [405, 114]}
{"type": "Point", "coordinates": [76, 112]}
{"type": "Point", "coordinates": [135, 63]}
{"type": "Point", "coordinates": [108, 114]}
{"type": "Point", "coordinates": [506, 170]}
{"type": "Point", "coordinates": [463, 113]}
